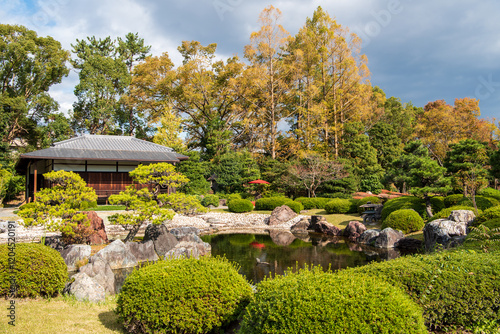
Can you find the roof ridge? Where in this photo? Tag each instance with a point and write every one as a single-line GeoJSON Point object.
{"type": "Point", "coordinates": [154, 144]}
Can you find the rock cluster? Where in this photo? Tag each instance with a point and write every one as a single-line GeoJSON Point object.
{"type": "Point", "coordinates": [96, 279]}
{"type": "Point", "coordinates": [448, 231]}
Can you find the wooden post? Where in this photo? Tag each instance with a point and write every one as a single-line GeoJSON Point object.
{"type": "Point", "coordinates": [35, 182]}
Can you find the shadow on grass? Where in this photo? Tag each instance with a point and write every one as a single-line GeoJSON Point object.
{"type": "Point", "coordinates": [110, 321]}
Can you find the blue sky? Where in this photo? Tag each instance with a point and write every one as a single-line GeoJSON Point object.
{"type": "Point", "coordinates": [419, 51]}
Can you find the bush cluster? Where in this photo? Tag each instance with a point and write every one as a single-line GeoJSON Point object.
{"type": "Point", "coordinates": [455, 289]}
{"type": "Point", "coordinates": [490, 192]}
{"type": "Point", "coordinates": [371, 199]}
{"type": "Point", "coordinates": [312, 301]}
{"type": "Point", "coordinates": [405, 220]}
{"type": "Point", "coordinates": [210, 200]}
{"type": "Point", "coordinates": [437, 203]}
{"type": "Point", "coordinates": [452, 200]}
{"type": "Point", "coordinates": [231, 197]}
{"type": "Point", "coordinates": [183, 296]}
{"type": "Point", "coordinates": [39, 271]}
{"type": "Point", "coordinates": [482, 203]}
{"type": "Point", "coordinates": [339, 206]}
{"type": "Point", "coordinates": [404, 202]}
{"type": "Point", "coordinates": [337, 195]}
{"type": "Point", "coordinates": [240, 205]}
{"type": "Point", "coordinates": [489, 214]}
{"type": "Point", "coordinates": [313, 202]}
{"type": "Point", "coordinates": [270, 203]}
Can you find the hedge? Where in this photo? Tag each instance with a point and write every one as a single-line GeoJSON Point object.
{"type": "Point", "coordinates": [312, 301]}
{"type": "Point", "coordinates": [490, 192]}
{"type": "Point", "coordinates": [313, 202]}
{"type": "Point", "coordinates": [404, 202]}
{"type": "Point", "coordinates": [405, 220]}
{"type": "Point", "coordinates": [270, 203]}
{"type": "Point", "coordinates": [240, 205]}
{"type": "Point", "coordinates": [489, 214]}
{"type": "Point", "coordinates": [183, 296]}
{"type": "Point", "coordinates": [39, 270]}
{"type": "Point", "coordinates": [338, 206]}
{"type": "Point", "coordinates": [210, 200]}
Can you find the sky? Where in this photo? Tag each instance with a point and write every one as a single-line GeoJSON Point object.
{"type": "Point", "coordinates": [419, 51]}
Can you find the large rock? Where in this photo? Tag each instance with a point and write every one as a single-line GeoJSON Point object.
{"type": "Point", "coordinates": [462, 216]}
{"type": "Point", "coordinates": [180, 232]}
{"type": "Point", "coordinates": [320, 225]}
{"type": "Point", "coordinates": [388, 238]}
{"type": "Point", "coordinates": [118, 255]}
{"type": "Point", "coordinates": [368, 237]}
{"type": "Point", "coordinates": [99, 236]}
{"type": "Point", "coordinates": [84, 287]}
{"type": "Point", "coordinates": [143, 251]}
{"type": "Point", "coordinates": [188, 249]}
{"type": "Point", "coordinates": [100, 271]}
{"type": "Point", "coordinates": [281, 215]}
{"type": "Point", "coordinates": [74, 253]}
{"type": "Point", "coordinates": [301, 226]}
{"type": "Point", "coordinates": [354, 230]}
{"type": "Point", "coordinates": [282, 238]}
{"type": "Point", "coordinates": [441, 231]}
{"type": "Point", "coordinates": [162, 239]}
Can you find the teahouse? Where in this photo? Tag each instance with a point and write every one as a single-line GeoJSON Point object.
{"type": "Point", "coordinates": [102, 161]}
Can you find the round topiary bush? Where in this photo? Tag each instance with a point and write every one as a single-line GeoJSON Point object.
{"type": "Point", "coordinates": [364, 200]}
{"type": "Point", "coordinates": [39, 270]}
{"type": "Point", "coordinates": [404, 202]}
{"type": "Point", "coordinates": [405, 220]}
{"type": "Point", "coordinates": [230, 197]}
{"type": "Point", "coordinates": [183, 296]}
{"type": "Point", "coordinates": [338, 205]}
{"type": "Point", "coordinates": [457, 288]}
{"type": "Point", "coordinates": [210, 200]}
{"type": "Point", "coordinates": [311, 301]}
{"type": "Point", "coordinates": [240, 205]}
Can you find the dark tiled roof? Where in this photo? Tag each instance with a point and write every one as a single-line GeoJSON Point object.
{"type": "Point", "coordinates": [96, 147]}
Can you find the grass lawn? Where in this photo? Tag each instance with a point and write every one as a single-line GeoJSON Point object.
{"type": "Point", "coordinates": [61, 315]}
{"type": "Point", "coordinates": [108, 208]}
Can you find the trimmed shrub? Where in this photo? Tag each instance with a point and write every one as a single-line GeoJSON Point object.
{"type": "Point", "coordinates": [230, 197]}
{"type": "Point", "coordinates": [39, 271]}
{"type": "Point", "coordinates": [372, 199]}
{"type": "Point", "coordinates": [338, 205]}
{"type": "Point", "coordinates": [270, 203]}
{"type": "Point", "coordinates": [240, 205]}
{"type": "Point", "coordinates": [482, 203]}
{"type": "Point", "coordinates": [311, 301]}
{"type": "Point", "coordinates": [491, 213]}
{"type": "Point", "coordinates": [313, 202]}
{"type": "Point", "coordinates": [183, 296]}
{"type": "Point", "coordinates": [337, 195]}
{"type": "Point", "coordinates": [437, 204]}
{"type": "Point", "coordinates": [490, 192]}
{"type": "Point", "coordinates": [405, 220]}
{"type": "Point", "coordinates": [404, 202]}
{"type": "Point", "coordinates": [452, 200]}
{"type": "Point", "coordinates": [210, 200]}
{"type": "Point", "coordinates": [454, 288]}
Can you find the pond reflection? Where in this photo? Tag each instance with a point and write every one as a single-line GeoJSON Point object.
{"type": "Point", "coordinates": [264, 255]}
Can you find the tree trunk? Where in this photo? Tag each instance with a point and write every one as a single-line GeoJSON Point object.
{"type": "Point", "coordinates": [132, 232]}
{"type": "Point", "coordinates": [428, 206]}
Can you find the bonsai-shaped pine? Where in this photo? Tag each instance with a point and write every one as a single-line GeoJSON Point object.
{"type": "Point", "coordinates": [145, 205]}
{"type": "Point", "coordinates": [57, 208]}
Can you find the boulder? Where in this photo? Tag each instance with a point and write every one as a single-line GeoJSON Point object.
{"type": "Point", "coordinates": [354, 230]}
{"type": "Point", "coordinates": [163, 240]}
{"type": "Point", "coordinates": [301, 226]}
{"type": "Point", "coordinates": [117, 255]}
{"type": "Point", "coordinates": [100, 271]}
{"type": "Point", "coordinates": [368, 237]}
{"type": "Point", "coordinates": [99, 236]}
{"type": "Point", "coordinates": [190, 238]}
{"type": "Point", "coordinates": [462, 216]}
{"type": "Point", "coordinates": [320, 225]}
{"type": "Point", "coordinates": [281, 215]}
{"type": "Point", "coordinates": [441, 231]}
{"type": "Point", "coordinates": [180, 232]}
{"type": "Point", "coordinates": [143, 251]}
{"type": "Point", "coordinates": [387, 238]}
{"type": "Point", "coordinates": [74, 253]}
{"type": "Point", "coordinates": [409, 244]}
{"type": "Point", "coordinates": [84, 287]}
{"type": "Point", "coordinates": [282, 238]}
{"type": "Point", "coordinates": [188, 250]}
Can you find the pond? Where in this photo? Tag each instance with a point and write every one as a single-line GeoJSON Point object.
{"type": "Point", "coordinates": [264, 255]}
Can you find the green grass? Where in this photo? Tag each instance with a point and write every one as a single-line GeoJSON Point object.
{"type": "Point", "coordinates": [61, 315]}
{"type": "Point", "coordinates": [107, 208]}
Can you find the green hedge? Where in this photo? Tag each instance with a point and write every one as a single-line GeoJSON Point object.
{"type": "Point", "coordinates": [491, 213]}
{"type": "Point", "coordinates": [405, 220]}
{"type": "Point", "coordinates": [39, 270]}
{"type": "Point", "coordinates": [482, 203]}
{"type": "Point", "coordinates": [270, 203]}
{"type": "Point", "coordinates": [364, 200]}
{"type": "Point", "coordinates": [313, 202]}
{"type": "Point", "coordinates": [210, 200]}
{"type": "Point", "coordinates": [437, 203]}
{"type": "Point", "coordinates": [338, 206]}
{"type": "Point", "coordinates": [455, 289]}
{"type": "Point", "coordinates": [183, 296]}
{"type": "Point", "coordinates": [240, 205]}
{"type": "Point", "coordinates": [230, 197]}
{"type": "Point", "coordinates": [404, 202]}
{"type": "Point", "coordinates": [453, 200]}
{"type": "Point", "coordinates": [311, 301]}
{"type": "Point", "coordinates": [490, 192]}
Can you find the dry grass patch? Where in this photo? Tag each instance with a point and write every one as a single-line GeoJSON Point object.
{"type": "Point", "coordinates": [61, 315]}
